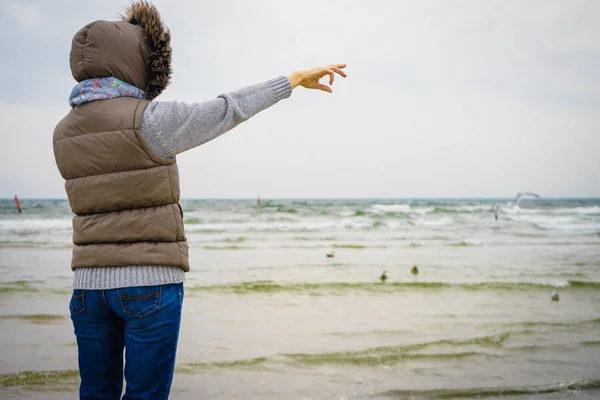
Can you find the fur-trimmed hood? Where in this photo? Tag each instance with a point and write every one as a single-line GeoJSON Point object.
{"type": "Point", "coordinates": [136, 50]}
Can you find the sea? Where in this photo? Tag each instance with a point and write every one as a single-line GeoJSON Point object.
{"type": "Point", "coordinates": [268, 315]}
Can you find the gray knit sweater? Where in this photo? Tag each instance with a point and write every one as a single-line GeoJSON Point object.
{"type": "Point", "coordinates": [170, 128]}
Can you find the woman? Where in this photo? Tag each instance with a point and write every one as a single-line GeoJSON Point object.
{"type": "Point", "coordinates": [116, 149]}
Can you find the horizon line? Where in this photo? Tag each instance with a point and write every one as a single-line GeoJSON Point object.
{"type": "Point", "coordinates": [343, 198]}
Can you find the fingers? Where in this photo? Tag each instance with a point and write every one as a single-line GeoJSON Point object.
{"type": "Point", "coordinates": [331, 75]}
{"type": "Point", "coordinates": [324, 88]}
{"type": "Point", "coordinates": [311, 77]}
{"type": "Point", "coordinates": [335, 69]}
{"type": "Point", "coordinates": [338, 70]}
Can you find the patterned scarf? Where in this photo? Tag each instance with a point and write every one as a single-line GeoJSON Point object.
{"type": "Point", "coordinates": [102, 89]}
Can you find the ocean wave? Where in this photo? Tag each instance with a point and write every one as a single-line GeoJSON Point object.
{"type": "Point", "coordinates": [71, 378]}
{"type": "Point", "coordinates": [232, 247]}
{"type": "Point", "coordinates": [376, 356]}
{"type": "Point", "coordinates": [475, 208]}
{"type": "Point", "coordinates": [534, 324]}
{"type": "Point", "coordinates": [245, 363]}
{"type": "Point", "coordinates": [448, 349]}
{"type": "Point", "coordinates": [441, 210]}
{"type": "Point", "coordinates": [571, 218]}
{"type": "Point", "coordinates": [373, 360]}
{"type": "Point", "coordinates": [562, 223]}
{"type": "Point", "coordinates": [308, 246]}
{"type": "Point", "coordinates": [325, 288]}
{"type": "Point", "coordinates": [466, 243]}
{"type": "Point", "coordinates": [288, 210]}
{"type": "Point", "coordinates": [557, 213]}
{"type": "Point", "coordinates": [238, 239]}
{"type": "Point", "coordinates": [67, 244]}
{"type": "Point", "coordinates": [584, 284]}
{"type": "Point", "coordinates": [435, 222]}
{"type": "Point", "coordinates": [440, 238]}
{"type": "Point", "coordinates": [466, 209]}
{"type": "Point", "coordinates": [493, 392]}
{"type": "Point", "coordinates": [525, 327]}
{"type": "Point", "coordinates": [28, 286]}
{"type": "Point", "coordinates": [36, 225]}
{"type": "Point", "coordinates": [307, 225]}
{"type": "Point", "coordinates": [591, 210]}
{"type": "Point", "coordinates": [35, 318]}
{"type": "Point", "coordinates": [351, 246]}
{"type": "Point", "coordinates": [36, 378]}
{"type": "Point", "coordinates": [383, 209]}
{"type": "Point", "coordinates": [370, 357]}
{"type": "Point", "coordinates": [34, 233]}
{"type": "Point", "coordinates": [7, 290]}
{"type": "Point", "coordinates": [325, 238]}
{"type": "Point", "coordinates": [350, 213]}
{"type": "Point", "coordinates": [390, 208]}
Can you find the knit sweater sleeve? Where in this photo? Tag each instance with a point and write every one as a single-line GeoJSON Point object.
{"type": "Point", "coordinates": [171, 127]}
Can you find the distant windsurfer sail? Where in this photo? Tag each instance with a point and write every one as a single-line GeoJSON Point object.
{"type": "Point", "coordinates": [17, 203]}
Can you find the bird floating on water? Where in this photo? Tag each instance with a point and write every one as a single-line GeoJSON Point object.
{"type": "Point", "coordinates": [555, 296]}
{"type": "Point", "coordinates": [513, 204]}
{"type": "Point", "coordinates": [414, 270]}
{"type": "Point", "coordinates": [383, 277]}
{"type": "Point", "coordinates": [330, 255]}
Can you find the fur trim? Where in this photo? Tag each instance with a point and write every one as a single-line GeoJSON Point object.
{"type": "Point", "coordinates": [148, 18]}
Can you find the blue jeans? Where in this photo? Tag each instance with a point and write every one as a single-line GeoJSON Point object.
{"type": "Point", "coordinates": [142, 320]}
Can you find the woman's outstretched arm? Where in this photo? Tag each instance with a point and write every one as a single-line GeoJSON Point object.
{"type": "Point", "coordinates": [171, 127]}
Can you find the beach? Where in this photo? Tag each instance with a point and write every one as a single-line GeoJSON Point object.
{"type": "Point", "coordinates": [267, 315]}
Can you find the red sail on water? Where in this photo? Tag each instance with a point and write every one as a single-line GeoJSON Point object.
{"type": "Point", "coordinates": [17, 203]}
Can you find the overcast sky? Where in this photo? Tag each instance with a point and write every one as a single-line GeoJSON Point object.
{"type": "Point", "coordinates": [443, 98]}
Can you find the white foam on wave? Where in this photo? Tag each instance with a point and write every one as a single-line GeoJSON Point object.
{"type": "Point", "coordinates": [472, 208]}
{"type": "Point", "coordinates": [390, 208]}
{"type": "Point", "coordinates": [300, 225]}
{"type": "Point", "coordinates": [36, 231]}
{"type": "Point", "coordinates": [346, 213]}
{"type": "Point", "coordinates": [591, 210]}
{"type": "Point", "coordinates": [472, 241]}
{"type": "Point", "coordinates": [578, 210]}
{"type": "Point", "coordinates": [354, 223]}
{"type": "Point", "coordinates": [423, 210]}
{"type": "Point", "coordinates": [35, 225]}
{"type": "Point", "coordinates": [562, 223]}
{"type": "Point", "coordinates": [435, 222]}
{"type": "Point", "coordinates": [399, 208]}
{"type": "Point", "coordinates": [395, 225]}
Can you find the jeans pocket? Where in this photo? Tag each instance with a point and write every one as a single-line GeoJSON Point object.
{"type": "Point", "coordinates": [140, 301]}
{"type": "Point", "coordinates": [77, 303]}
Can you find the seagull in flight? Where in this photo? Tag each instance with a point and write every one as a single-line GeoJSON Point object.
{"type": "Point", "coordinates": [513, 204]}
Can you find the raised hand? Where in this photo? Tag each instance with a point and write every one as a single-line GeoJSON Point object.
{"type": "Point", "coordinates": [310, 78]}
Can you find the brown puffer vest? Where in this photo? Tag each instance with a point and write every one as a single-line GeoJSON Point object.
{"type": "Point", "coordinates": [125, 197]}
